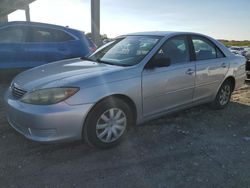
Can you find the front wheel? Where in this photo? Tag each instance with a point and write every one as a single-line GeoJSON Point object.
{"type": "Point", "coordinates": [107, 123]}
{"type": "Point", "coordinates": [223, 96]}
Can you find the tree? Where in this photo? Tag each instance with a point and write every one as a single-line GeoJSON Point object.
{"type": "Point", "coordinates": [104, 36]}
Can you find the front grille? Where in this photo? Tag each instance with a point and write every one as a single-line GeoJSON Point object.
{"type": "Point", "coordinates": [17, 93]}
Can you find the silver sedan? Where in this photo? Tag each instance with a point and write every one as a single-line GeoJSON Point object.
{"type": "Point", "coordinates": [133, 79]}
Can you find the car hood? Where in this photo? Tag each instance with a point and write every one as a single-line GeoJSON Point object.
{"type": "Point", "coordinates": [61, 73]}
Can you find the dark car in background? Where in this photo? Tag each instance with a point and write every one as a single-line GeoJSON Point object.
{"type": "Point", "coordinates": [25, 45]}
{"type": "Point", "coordinates": [247, 55]}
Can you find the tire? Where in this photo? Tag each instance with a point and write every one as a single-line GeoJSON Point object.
{"type": "Point", "coordinates": [107, 123]}
{"type": "Point", "coordinates": [223, 96]}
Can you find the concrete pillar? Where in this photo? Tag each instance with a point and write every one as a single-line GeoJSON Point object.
{"type": "Point", "coordinates": [95, 21]}
{"type": "Point", "coordinates": [3, 19]}
{"type": "Point", "coordinates": [27, 13]}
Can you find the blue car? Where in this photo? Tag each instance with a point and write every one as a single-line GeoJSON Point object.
{"type": "Point", "coordinates": [25, 45]}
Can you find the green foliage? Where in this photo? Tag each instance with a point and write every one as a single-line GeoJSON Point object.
{"type": "Point", "coordinates": [104, 36]}
{"type": "Point", "coordinates": [235, 43]}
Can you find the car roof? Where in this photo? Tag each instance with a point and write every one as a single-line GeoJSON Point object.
{"type": "Point", "coordinates": [162, 33]}
{"type": "Point", "coordinates": [174, 33]}
{"type": "Point", "coordinates": [36, 24]}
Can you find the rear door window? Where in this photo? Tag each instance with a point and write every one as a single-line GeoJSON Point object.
{"type": "Point", "coordinates": [205, 49]}
{"type": "Point", "coordinates": [219, 53]}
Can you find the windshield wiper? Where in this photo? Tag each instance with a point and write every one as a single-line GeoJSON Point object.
{"type": "Point", "coordinates": [87, 59]}
{"type": "Point", "coordinates": [98, 60]}
{"type": "Point", "coordinates": [105, 62]}
{"type": "Point", "coordinates": [102, 62]}
{"type": "Point", "coordinates": [110, 63]}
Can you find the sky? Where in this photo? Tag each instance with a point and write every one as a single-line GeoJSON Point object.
{"type": "Point", "coordinates": [221, 19]}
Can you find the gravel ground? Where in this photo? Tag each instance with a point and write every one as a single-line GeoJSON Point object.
{"type": "Point", "coordinates": [193, 148]}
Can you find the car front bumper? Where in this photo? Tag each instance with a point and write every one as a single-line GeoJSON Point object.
{"type": "Point", "coordinates": [51, 123]}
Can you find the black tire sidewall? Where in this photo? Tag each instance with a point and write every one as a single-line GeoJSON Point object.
{"type": "Point", "coordinates": [89, 129]}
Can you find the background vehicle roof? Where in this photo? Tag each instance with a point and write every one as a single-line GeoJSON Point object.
{"type": "Point", "coordinates": [36, 24]}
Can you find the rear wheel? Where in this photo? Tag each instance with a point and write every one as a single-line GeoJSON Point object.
{"type": "Point", "coordinates": [107, 123]}
{"type": "Point", "coordinates": [223, 96]}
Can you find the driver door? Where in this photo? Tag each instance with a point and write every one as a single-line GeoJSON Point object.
{"type": "Point", "coordinates": [169, 86]}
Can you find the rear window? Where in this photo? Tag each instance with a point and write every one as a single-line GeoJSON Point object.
{"type": "Point", "coordinates": [12, 35]}
{"type": "Point", "coordinates": [91, 43]}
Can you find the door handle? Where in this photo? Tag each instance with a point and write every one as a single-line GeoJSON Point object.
{"type": "Point", "coordinates": [190, 72]}
{"type": "Point", "coordinates": [224, 65]}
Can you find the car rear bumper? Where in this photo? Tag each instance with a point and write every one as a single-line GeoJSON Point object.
{"type": "Point", "coordinates": [248, 78]}
{"type": "Point", "coordinates": [240, 81]}
{"type": "Point", "coordinates": [51, 123]}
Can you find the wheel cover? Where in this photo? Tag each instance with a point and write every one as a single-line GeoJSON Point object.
{"type": "Point", "coordinates": [111, 125]}
{"type": "Point", "coordinates": [225, 94]}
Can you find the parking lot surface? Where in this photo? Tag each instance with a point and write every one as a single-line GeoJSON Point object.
{"type": "Point", "coordinates": [198, 147]}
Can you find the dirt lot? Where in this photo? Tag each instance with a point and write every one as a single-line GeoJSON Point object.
{"type": "Point", "coordinates": [194, 148]}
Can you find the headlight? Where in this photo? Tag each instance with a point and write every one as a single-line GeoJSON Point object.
{"type": "Point", "coordinates": [48, 96]}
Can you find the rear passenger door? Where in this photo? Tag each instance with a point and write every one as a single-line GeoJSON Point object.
{"type": "Point", "coordinates": [211, 67]}
{"type": "Point", "coordinates": [47, 45]}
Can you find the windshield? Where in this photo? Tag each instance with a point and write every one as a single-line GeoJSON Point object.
{"type": "Point", "coordinates": [125, 51]}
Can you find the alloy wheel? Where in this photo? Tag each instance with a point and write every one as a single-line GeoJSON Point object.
{"type": "Point", "coordinates": [111, 125]}
{"type": "Point", "coordinates": [225, 94]}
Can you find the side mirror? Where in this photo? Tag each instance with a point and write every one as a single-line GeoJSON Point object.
{"type": "Point", "coordinates": [159, 62]}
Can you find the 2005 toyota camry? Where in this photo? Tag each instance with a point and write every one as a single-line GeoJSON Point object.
{"type": "Point", "coordinates": [130, 80]}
